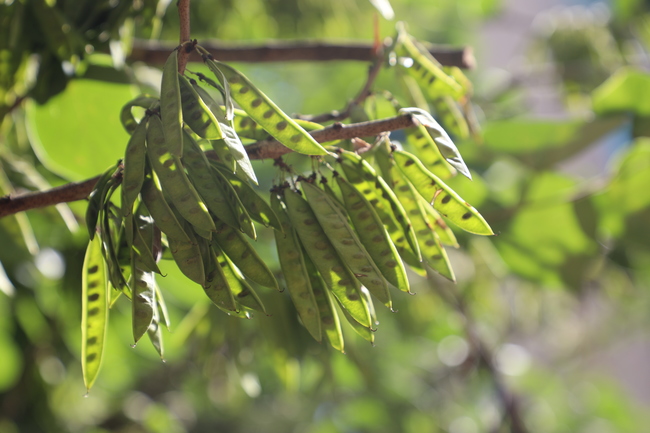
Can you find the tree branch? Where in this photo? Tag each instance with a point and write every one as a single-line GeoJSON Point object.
{"type": "Point", "coordinates": [266, 149]}
{"type": "Point", "coordinates": [154, 53]}
{"type": "Point", "coordinates": [184, 19]}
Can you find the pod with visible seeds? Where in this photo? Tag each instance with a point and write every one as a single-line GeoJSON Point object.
{"type": "Point", "coordinates": [432, 251]}
{"type": "Point", "coordinates": [346, 243]}
{"type": "Point", "coordinates": [213, 189]}
{"type": "Point", "coordinates": [263, 111]}
{"type": "Point", "coordinates": [187, 256]}
{"type": "Point", "coordinates": [444, 199]}
{"type": "Point", "coordinates": [230, 149]}
{"type": "Point", "coordinates": [426, 148]}
{"type": "Point", "coordinates": [243, 255]}
{"type": "Point", "coordinates": [332, 268]}
{"type": "Point", "coordinates": [258, 209]}
{"type": "Point", "coordinates": [143, 301]}
{"type": "Point", "coordinates": [242, 292]}
{"type": "Point", "coordinates": [171, 110]}
{"type": "Point", "coordinates": [216, 286]}
{"type": "Point", "coordinates": [366, 333]}
{"type": "Point", "coordinates": [196, 113]}
{"type": "Point", "coordinates": [135, 159]}
{"type": "Point", "coordinates": [244, 221]}
{"type": "Point", "coordinates": [174, 180]}
{"type": "Point", "coordinates": [434, 219]}
{"type": "Point", "coordinates": [295, 273]}
{"type": "Point", "coordinates": [329, 318]}
{"type": "Point", "coordinates": [115, 276]}
{"type": "Point", "coordinates": [375, 189]}
{"type": "Point", "coordinates": [450, 115]}
{"type": "Point", "coordinates": [96, 199]}
{"type": "Point", "coordinates": [94, 308]}
{"type": "Point", "coordinates": [374, 236]}
{"type": "Point", "coordinates": [248, 128]}
{"type": "Point", "coordinates": [164, 218]}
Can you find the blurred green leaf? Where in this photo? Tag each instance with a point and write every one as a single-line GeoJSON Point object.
{"type": "Point", "coordinates": [628, 90]}
{"type": "Point", "coordinates": [78, 133]}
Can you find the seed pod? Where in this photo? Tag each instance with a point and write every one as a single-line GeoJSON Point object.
{"type": "Point", "coordinates": [445, 234]}
{"type": "Point", "coordinates": [216, 285]}
{"type": "Point", "coordinates": [126, 116]}
{"type": "Point", "coordinates": [96, 199]}
{"type": "Point", "coordinates": [382, 198]}
{"type": "Point", "coordinates": [242, 292]}
{"type": "Point", "coordinates": [258, 209]}
{"type": "Point", "coordinates": [162, 308]}
{"type": "Point", "coordinates": [174, 180]}
{"type": "Point", "coordinates": [94, 308]}
{"type": "Point", "coordinates": [144, 297]}
{"type": "Point", "coordinates": [164, 218]}
{"type": "Point", "coordinates": [214, 190]}
{"type": "Point", "coordinates": [196, 113]}
{"type": "Point", "coordinates": [450, 115]}
{"type": "Point", "coordinates": [443, 198]}
{"type": "Point", "coordinates": [366, 333]}
{"type": "Point", "coordinates": [248, 128]}
{"type": "Point", "coordinates": [235, 148]}
{"type": "Point", "coordinates": [432, 251]}
{"type": "Point", "coordinates": [429, 153]}
{"type": "Point", "coordinates": [295, 273]}
{"type": "Point", "coordinates": [374, 236]}
{"type": "Point", "coordinates": [332, 268]}
{"type": "Point", "coordinates": [187, 256]}
{"type": "Point", "coordinates": [243, 255]}
{"type": "Point", "coordinates": [242, 218]}
{"type": "Point", "coordinates": [154, 332]}
{"type": "Point", "coordinates": [135, 159]}
{"type": "Point", "coordinates": [143, 242]}
{"type": "Point", "coordinates": [170, 106]}
{"type": "Point", "coordinates": [329, 318]}
{"type": "Point", "coordinates": [261, 109]}
{"type": "Point", "coordinates": [115, 276]}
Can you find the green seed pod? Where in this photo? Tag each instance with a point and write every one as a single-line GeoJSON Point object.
{"type": "Point", "coordinates": [154, 332]}
{"type": "Point", "coordinates": [330, 322]}
{"type": "Point", "coordinates": [374, 236]}
{"type": "Point", "coordinates": [427, 150]}
{"type": "Point", "coordinates": [434, 219]}
{"type": "Point", "coordinates": [94, 308]}
{"type": "Point", "coordinates": [170, 106]}
{"type": "Point", "coordinates": [96, 199]}
{"type": "Point", "coordinates": [196, 113]}
{"type": "Point", "coordinates": [243, 255]}
{"type": "Point", "coordinates": [187, 256]}
{"type": "Point", "coordinates": [263, 111]}
{"type": "Point", "coordinates": [258, 209]}
{"type": "Point", "coordinates": [241, 290]}
{"type": "Point", "coordinates": [216, 285]}
{"type": "Point", "coordinates": [451, 116]}
{"type": "Point", "coordinates": [135, 159]}
{"type": "Point", "coordinates": [295, 273]}
{"type": "Point", "coordinates": [443, 198]}
{"type": "Point", "coordinates": [164, 218]}
{"type": "Point", "coordinates": [332, 268]}
{"type": "Point", "coordinates": [174, 180]}
{"type": "Point", "coordinates": [243, 219]}
{"type": "Point", "coordinates": [126, 116]}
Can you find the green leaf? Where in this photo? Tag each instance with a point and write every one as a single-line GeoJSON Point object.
{"type": "Point", "coordinates": [78, 133]}
{"type": "Point", "coordinates": [628, 90]}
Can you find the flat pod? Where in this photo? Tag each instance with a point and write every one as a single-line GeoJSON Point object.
{"type": "Point", "coordinates": [241, 290]}
{"type": "Point", "coordinates": [263, 111]}
{"type": "Point", "coordinates": [451, 115]}
{"type": "Point", "coordinates": [329, 318]}
{"type": "Point", "coordinates": [164, 218]}
{"type": "Point", "coordinates": [243, 219]}
{"type": "Point", "coordinates": [374, 236]}
{"type": "Point", "coordinates": [380, 195]}
{"type": "Point", "coordinates": [170, 106]}
{"type": "Point", "coordinates": [96, 199]}
{"type": "Point", "coordinates": [443, 198]}
{"type": "Point", "coordinates": [432, 251]}
{"type": "Point", "coordinates": [294, 270]}
{"type": "Point", "coordinates": [135, 159]}
{"type": "Point", "coordinates": [212, 189]}
{"type": "Point", "coordinates": [366, 333]}
{"type": "Point", "coordinates": [346, 243]}
{"type": "Point", "coordinates": [174, 180]}
{"type": "Point", "coordinates": [154, 332]}
{"type": "Point", "coordinates": [196, 113]}
{"type": "Point", "coordinates": [230, 139]}
{"type": "Point", "coordinates": [187, 256]}
{"type": "Point", "coordinates": [444, 232]}
{"type": "Point", "coordinates": [258, 209]}
{"type": "Point", "coordinates": [94, 312]}
{"type": "Point", "coordinates": [332, 268]}
{"type": "Point", "coordinates": [126, 116]}
{"type": "Point", "coordinates": [426, 149]}
{"type": "Point", "coordinates": [243, 255]}
{"type": "Point", "coordinates": [143, 299]}
{"type": "Point", "coordinates": [216, 285]}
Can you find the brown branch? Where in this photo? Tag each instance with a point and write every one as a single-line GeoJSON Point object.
{"type": "Point", "coordinates": [74, 191]}
{"type": "Point", "coordinates": [267, 149]}
{"type": "Point", "coordinates": [154, 53]}
{"type": "Point", "coordinates": [184, 19]}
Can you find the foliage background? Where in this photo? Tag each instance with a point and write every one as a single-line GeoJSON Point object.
{"type": "Point", "coordinates": [560, 297]}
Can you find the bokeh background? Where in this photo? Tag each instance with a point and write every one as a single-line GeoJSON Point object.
{"type": "Point", "coordinates": [548, 321]}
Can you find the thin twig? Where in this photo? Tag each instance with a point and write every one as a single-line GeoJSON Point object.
{"type": "Point", "coordinates": [509, 400]}
{"type": "Point", "coordinates": [267, 149]}
{"type": "Point", "coordinates": [184, 19]}
{"type": "Point", "coordinates": [155, 53]}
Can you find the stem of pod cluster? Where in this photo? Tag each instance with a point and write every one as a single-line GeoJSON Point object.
{"type": "Point", "coordinates": [184, 19]}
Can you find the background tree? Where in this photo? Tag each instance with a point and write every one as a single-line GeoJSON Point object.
{"type": "Point", "coordinates": [564, 279]}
